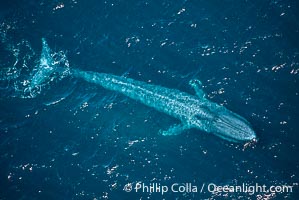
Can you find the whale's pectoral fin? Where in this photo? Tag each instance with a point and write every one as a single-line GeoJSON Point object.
{"type": "Point", "coordinates": [174, 130]}
{"type": "Point", "coordinates": [197, 85]}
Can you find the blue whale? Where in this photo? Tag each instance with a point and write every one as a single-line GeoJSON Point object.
{"type": "Point", "coordinates": [194, 111]}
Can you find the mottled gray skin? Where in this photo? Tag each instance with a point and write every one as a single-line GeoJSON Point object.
{"type": "Point", "coordinates": [193, 111]}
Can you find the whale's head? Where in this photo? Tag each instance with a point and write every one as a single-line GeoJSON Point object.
{"type": "Point", "coordinates": [232, 127]}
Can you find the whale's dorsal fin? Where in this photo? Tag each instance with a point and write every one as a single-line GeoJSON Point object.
{"type": "Point", "coordinates": [197, 86]}
{"type": "Point", "coordinates": [174, 130]}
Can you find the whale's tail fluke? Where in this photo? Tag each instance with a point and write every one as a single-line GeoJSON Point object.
{"type": "Point", "coordinates": [52, 65]}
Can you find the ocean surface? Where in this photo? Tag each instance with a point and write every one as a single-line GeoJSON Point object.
{"type": "Point", "coordinates": [69, 139]}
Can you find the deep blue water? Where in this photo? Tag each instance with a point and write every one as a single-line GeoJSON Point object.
{"type": "Point", "coordinates": [76, 140]}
